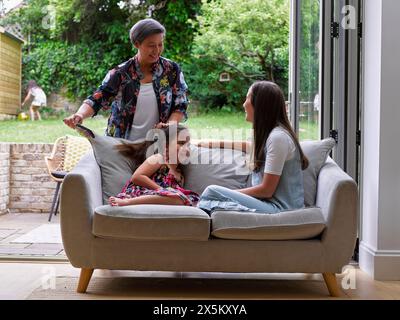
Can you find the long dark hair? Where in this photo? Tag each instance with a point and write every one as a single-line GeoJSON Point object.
{"type": "Point", "coordinates": [269, 112]}
{"type": "Point", "coordinates": [138, 151]}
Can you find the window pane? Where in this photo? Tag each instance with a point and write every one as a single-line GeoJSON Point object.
{"type": "Point", "coordinates": [309, 123]}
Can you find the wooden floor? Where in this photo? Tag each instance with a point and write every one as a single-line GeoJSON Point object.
{"type": "Point", "coordinates": [27, 280]}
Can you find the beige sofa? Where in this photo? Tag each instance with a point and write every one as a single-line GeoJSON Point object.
{"type": "Point", "coordinates": [320, 239]}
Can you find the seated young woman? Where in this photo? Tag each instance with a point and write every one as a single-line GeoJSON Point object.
{"type": "Point", "coordinates": [277, 159]}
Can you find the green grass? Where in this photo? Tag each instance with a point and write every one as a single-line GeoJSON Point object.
{"type": "Point", "coordinates": [42, 131]}
{"type": "Point", "coordinates": [309, 131]}
{"type": "Point", "coordinates": [213, 125]}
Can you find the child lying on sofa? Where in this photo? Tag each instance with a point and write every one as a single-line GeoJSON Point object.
{"type": "Point", "coordinates": [159, 179]}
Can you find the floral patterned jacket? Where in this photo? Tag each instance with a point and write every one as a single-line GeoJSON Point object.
{"type": "Point", "coordinates": [121, 86]}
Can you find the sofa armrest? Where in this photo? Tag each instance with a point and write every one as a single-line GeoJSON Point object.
{"type": "Point", "coordinates": [337, 196]}
{"type": "Point", "coordinates": [81, 193]}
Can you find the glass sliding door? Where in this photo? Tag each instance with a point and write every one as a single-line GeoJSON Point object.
{"type": "Point", "coordinates": [309, 56]}
{"type": "Point", "coordinates": [324, 84]}
{"type": "Point", "coordinates": [305, 77]}
{"type": "Point", "coordinates": [346, 15]}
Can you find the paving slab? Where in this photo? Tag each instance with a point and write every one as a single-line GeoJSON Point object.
{"type": "Point", "coordinates": [4, 233]}
{"type": "Point", "coordinates": [27, 251]}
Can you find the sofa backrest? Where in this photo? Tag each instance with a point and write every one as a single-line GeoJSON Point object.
{"type": "Point", "coordinates": [227, 168]}
{"type": "Point", "coordinates": [337, 196]}
{"type": "Point", "coordinates": [224, 167]}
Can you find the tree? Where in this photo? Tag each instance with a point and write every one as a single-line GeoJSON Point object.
{"type": "Point", "coordinates": [180, 21]}
{"type": "Point", "coordinates": [249, 39]}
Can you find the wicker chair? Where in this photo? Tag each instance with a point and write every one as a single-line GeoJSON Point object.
{"type": "Point", "coordinates": [67, 152]}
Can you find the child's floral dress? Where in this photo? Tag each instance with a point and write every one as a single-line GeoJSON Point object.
{"type": "Point", "coordinates": [170, 187]}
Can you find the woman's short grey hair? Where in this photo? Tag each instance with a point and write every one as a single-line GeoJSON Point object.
{"type": "Point", "coordinates": [144, 28]}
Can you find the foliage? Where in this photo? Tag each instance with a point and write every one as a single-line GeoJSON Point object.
{"type": "Point", "coordinates": [248, 39]}
{"type": "Point", "coordinates": [73, 43]}
{"type": "Point", "coordinates": [87, 38]}
{"type": "Point", "coordinates": [75, 67]}
{"type": "Point", "coordinates": [179, 18]}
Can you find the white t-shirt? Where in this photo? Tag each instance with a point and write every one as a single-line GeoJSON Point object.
{"type": "Point", "coordinates": [279, 148]}
{"type": "Point", "coordinates": [39, 97]}
{"type": "Point", "coordinates": [146, 114]}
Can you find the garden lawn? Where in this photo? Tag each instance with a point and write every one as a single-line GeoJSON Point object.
{"type": "Point", "coordinates": [213, 125]}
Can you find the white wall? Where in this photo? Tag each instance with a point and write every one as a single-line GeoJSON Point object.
{"type": "Point", "coordinates": [380, 206]}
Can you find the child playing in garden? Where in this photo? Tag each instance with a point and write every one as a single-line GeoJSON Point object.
{"type": "Point", "coordinates": [38, 97]}
{"type": "Point", "coordinates": [159, 179]}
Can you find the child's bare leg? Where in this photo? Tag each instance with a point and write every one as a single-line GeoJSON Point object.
{"type": "Point", "coordinates": [32, 113]}
{"type": "Point", "coordinates": [113, 201]}
{"type": "Point", "coordinates": [150, 199]}
{"type": "Point", "coordinates": [154, 199]}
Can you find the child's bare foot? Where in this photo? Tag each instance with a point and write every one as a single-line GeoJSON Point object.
{"type": "Point", "coordinates": [117, 202]}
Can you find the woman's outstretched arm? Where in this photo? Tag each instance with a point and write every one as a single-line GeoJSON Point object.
{"type": "Point", "coordinates": [85, 111]}
{"type": "Point", "coordinates": [101, 98]}
{"type": "Point", "coordinates": [244, 146]}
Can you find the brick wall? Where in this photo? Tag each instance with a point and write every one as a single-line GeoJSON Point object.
{"type": "Point", "coordinates": [30, 186]}
{"type": "Point", "coordinates": [4, 176]}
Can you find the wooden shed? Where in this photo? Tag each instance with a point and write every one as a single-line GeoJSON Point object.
{"type": "Point", "coordinates": [10, 73]}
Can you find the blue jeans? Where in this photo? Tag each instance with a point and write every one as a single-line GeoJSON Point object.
{"type": "Point", "coordinates": [220, 198]}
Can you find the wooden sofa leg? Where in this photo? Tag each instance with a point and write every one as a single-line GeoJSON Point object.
{"type": "Point", "coordinates": [331, 283]}
{"type": "Point", "coordinates": [84, 280]}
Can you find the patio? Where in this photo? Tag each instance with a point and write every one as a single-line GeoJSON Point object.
{"type": "Point", "coordinates": [30, 236]}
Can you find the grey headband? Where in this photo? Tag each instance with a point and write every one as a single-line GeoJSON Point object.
{"type": "Point", "coordinates": [144, 28]}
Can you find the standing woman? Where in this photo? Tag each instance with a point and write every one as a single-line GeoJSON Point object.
{"type": "Point", "coordinates": [39, 99]}
{"type": "Point", "coordinates": [277, 159]}
{"type": "Point", "coordinates": [146, 91]}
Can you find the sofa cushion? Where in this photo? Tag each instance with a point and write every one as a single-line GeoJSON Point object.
{"type": "Point", "coordinates": [115, 168]}
{"type": "Point", "coordinates": [287, 225]}
{"type": "Point", "coordinates": [223, 167]}
{"type": "Point", "coordinates": [317, 152]}
{"type": "Point", "coordinates": [151, 222]}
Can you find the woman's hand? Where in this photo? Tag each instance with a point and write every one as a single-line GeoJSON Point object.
{"type": "Point", "coordinates": [161, 125]}
{"type": "Point", "coordinates": [170, 122]}
{"type": "Point", "coordinates": [73, 120]}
